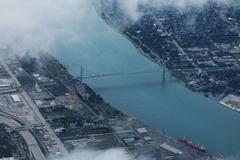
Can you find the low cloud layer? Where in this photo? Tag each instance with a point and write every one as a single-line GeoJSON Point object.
{"type": "Point", "coordinates": [35, 25]}
{"type": "Point", "coordinates": [130, 7]}
{"type": "Point", "coordinates": [110, 154]}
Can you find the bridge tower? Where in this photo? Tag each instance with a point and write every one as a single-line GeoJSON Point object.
{"type": "Point", "coordinates": [81, 75]}
{"type": "Point", "coordinates": [164, 73]}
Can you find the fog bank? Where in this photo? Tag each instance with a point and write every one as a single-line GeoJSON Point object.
{"type": "Point", "coordinates": [33, 25]}
{"type": "Point", "coordinates": [110, 154]}
{"type": "Point", "coordinates": [130, 7]}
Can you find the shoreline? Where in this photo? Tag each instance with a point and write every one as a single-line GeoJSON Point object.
{"type": "Point", "coordinates": [218, 98]}
{"type": "Point", "coordinates": [155, 137]}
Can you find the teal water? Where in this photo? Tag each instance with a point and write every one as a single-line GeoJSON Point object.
{"type": "Point", "coordinates": [168, 106]}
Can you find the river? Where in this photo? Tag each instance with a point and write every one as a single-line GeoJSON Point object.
{"type": "Point", "coordinates": [168, 106]}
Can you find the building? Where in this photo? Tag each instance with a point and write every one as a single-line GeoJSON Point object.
{"type": "Point", "coordinates": [16, 98]}
{"type": "Point", "coordinates": [171, 149]}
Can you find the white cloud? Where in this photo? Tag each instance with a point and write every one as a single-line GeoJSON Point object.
{"type": "Point", "coordinates": [35, 25]}
{"type": "Point", "coordinates": [110, 154]}
{"type": "Point", "coordinates": [130, 7]}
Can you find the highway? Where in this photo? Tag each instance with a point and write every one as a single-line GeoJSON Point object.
{"type": "Point", "coordinates": [34, 108]}
{"type": "Point", "coordinates": [33, 146]}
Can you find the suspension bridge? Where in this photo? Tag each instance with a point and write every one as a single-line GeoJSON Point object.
{"type": "Point", "coordinates": [162, 70]}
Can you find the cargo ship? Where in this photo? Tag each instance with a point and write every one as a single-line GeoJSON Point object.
{"type": "Point", "coordinates": [193, 146]}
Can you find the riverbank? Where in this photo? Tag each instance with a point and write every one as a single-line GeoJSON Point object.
{"type": "Point", "coordinates": [168, 106]}
{"type": "Point", "coordinates": [88, 115]}
{"type": "Point", "coordinates": [149, 53]}
{"type": "Point", "coordinates": [200, 68]}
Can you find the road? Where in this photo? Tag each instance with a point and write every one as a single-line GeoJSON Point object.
{"type": "Point", "coordinates": [34, 108]}
{"type": "Point", "coordinates": [28, 137]}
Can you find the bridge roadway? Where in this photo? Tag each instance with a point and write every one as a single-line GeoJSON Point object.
{"type": "Point", "coordinates": [33, 146]}
{"type": "Point", "coordinates": [155, 71]}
